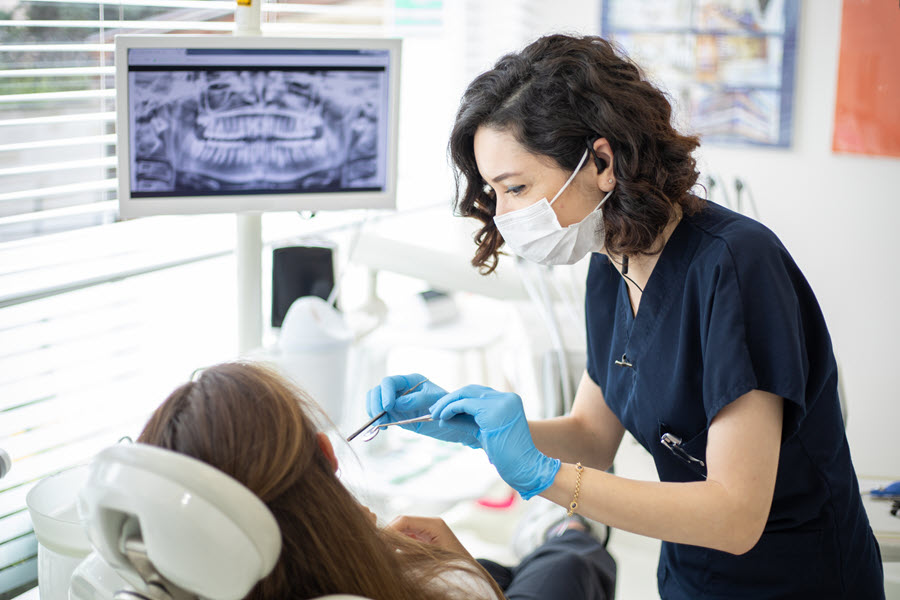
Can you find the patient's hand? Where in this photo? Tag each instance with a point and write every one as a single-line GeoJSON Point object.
{"type": "Point", "coordinates": [368, 512]}
{"type": "Point", "coordinates": [430, 530]}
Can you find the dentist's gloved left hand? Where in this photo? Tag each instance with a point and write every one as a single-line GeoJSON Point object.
{"type": "Point", "coordinates": [410, 396]}
{"type": "Point", "coordinates": [504, 435]}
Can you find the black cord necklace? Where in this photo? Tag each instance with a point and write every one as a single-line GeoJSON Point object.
{"type": "Point", "coordinates": [625, 273]}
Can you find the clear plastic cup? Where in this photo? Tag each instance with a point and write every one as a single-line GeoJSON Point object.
{"type": "Point", "coordinates": [62, 541]}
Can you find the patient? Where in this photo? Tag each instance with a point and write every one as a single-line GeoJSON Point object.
{"type": "Point", "coordinates": [248, 422]}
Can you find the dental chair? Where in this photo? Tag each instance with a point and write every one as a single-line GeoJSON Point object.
{"type": "Point", "coordinates": [165, 526]}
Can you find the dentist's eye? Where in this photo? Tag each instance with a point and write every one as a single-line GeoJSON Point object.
{"type": "Point", "coordinates": [515, 190]}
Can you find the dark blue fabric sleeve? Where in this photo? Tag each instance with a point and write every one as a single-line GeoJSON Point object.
{"type": "Point", "coordinates": [754, 336]}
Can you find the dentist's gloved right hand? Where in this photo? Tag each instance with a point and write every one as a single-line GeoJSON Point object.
{"type": "Point", "coordinates": [389, 396]}
{"type": "Point", "coordinates": [504, 435]}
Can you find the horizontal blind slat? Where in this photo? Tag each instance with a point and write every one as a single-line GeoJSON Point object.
{"type": "Point", "coordinates": [118, 251]}
{"type": "Point", "coordinates": [52, 354]}
{"type": "Point", "coordinates": [55, 96]}
{"type": "Point", "coordinates": [114, 248]}
{"type": "Point", "coordinates": [108, 161]}
{"type": "Point", "coordinates": [19, 578]}
{"type": "Point", "coordinates": [227, 5]}
{"type": "Point", "coordinates": [61, 436]}
{"type": "Point", "coordinates": [100, 140]}
{"type": "Point", "coordinates": [58, 190]}
{"type": "Point", "coordinates": [113, 25]}
{"type": "Point", "coordinates": [57, 72]}
{"type": "Point", "coordinates": [12, 499]}
{"type": "Point", "coordinates": [26, 473]}
{"type": "Point", "coordinates": [202, 4]}
{"type": "Point", "coordinates": [12, 551]}
{"type": "Point", "coordinates": [110, 207]}
{"type": "Point", "coordinates": [67, 118]}
{"type": "Point", "coordinates": [73, 47]}
{"type": "Point", "coordinates": [216, 26]}
{"type": "Point", "coordinates": [51, 416]}
{"type": "Point", "coordinates": [23, 331]}
{"type": "Point", "coordinates": [14, 525]}
{"type": "Point", "coordinates": [49, 371]}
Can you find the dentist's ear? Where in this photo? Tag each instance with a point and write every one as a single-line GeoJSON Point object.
{"type": "Point", "coordinates": [603, 159]}
{"type": "Point", "coordinates": [327, 449]}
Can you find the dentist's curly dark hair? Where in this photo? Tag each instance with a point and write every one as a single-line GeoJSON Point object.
{"type": "Point", "coordinates": [551, 96]}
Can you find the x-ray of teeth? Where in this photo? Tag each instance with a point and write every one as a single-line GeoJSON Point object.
{"type": "Point", "coordinates": [234, 131]}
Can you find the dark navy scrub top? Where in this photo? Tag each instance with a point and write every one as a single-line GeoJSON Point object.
{"type": "Point", "coordinates": [727, 311]}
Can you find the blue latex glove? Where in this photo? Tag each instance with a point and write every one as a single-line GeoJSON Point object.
{"type": "Point", "coordinates": [389, 396]}
{"type": "Point", "coordinates": [504, 435]}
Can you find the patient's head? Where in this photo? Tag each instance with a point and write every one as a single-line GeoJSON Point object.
{"type": "Point", "coordinates": [245, 420]}
{"type": "Point", "coordinates": [250, 423]}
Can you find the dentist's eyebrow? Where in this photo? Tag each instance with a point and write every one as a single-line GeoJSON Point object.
{"type": "Point", "coordinates": [503, 176]}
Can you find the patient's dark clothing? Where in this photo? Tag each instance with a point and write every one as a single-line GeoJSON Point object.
{"type": "Point", "coordinates": [573, 566]}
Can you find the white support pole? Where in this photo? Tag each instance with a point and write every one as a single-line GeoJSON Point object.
{"type": "Point", "coordinates": [248, 246]}
{"type": "Point", "coordinates": [248, 257]}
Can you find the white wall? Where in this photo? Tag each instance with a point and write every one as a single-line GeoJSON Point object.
{"type": "Point", "coordinates": [838, 215]}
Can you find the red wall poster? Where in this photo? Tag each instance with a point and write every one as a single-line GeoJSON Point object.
{"type": "Point", "coordinates": [867, 111]}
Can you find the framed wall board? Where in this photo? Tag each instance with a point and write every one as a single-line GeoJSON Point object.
{"type": "Point", "coordinates": [867, 106]}
{"type": "Point", "coordinates": [727, 65]}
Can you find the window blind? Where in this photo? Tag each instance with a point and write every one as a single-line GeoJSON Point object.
{"type": "Point", "coordinates": [82, 369]}
{"type": "Point", "coordinates": [98, 324]}
{"type": "Point", "coordinates": [57, 93]}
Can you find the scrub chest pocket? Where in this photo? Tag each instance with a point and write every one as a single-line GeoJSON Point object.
{"type": "Point", "coordinates": [681, 459]}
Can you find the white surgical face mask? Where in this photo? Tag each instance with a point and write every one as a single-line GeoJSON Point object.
{"type": "Point", "coordinates": [534, 232]}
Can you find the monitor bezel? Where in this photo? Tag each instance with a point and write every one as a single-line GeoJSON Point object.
{"type": "Point", "coordinates": [250, 203]}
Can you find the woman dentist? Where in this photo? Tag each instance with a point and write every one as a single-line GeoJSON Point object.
{"type": "Point", "coordinates": [705, 341]}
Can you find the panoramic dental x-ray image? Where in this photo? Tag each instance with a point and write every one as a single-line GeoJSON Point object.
{"type": "Point", "coordinates": [246, 130]}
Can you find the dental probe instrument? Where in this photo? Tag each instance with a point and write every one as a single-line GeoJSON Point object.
{"type": "Point", "coordinates": [405, 422]}
{"type": "Point", "coordinates": [373, 431]}
{"type": "Point", "coordinates": [381, 414]}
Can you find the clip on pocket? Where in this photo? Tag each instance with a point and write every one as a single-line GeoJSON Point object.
{"type": "Point", "coordinates": [673, 443]}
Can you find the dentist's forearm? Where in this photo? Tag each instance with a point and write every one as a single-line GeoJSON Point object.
{"type": "Point", "coordinates": [698, 513]}
{"type": "Point", "coordinates": [590, 433]}
{"type": "Point", "coordinates": [568, 439]}
{"type": "Point", "coordinates": [728, 511]}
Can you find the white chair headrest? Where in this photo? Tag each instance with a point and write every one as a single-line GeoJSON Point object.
{"type": "Point", "coordinates": [203, 530]}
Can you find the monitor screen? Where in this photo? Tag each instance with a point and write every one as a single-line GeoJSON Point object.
{"type": "Point", "coordinates": [230, 124]}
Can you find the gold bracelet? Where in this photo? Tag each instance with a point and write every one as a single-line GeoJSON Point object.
{"type": "Point", "coordinates": [573, 505]}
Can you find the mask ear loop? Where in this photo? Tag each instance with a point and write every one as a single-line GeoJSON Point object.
{"type": "Point", "coordinates": [571, 177]}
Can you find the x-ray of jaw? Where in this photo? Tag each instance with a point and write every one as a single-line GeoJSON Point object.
{"type": "Point", "coordinates": [208, 131]}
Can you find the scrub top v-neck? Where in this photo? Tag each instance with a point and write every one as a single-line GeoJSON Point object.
{"type": "Point", "coordinates": [726, 311]}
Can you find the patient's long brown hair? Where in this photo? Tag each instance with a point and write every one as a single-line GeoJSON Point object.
{"type": "Point", "coordinates": [250, 423]}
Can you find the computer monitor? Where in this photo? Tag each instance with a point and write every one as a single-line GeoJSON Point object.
{"type": "Point", "coordinates": [213, 124]}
